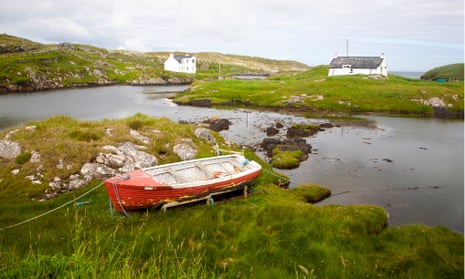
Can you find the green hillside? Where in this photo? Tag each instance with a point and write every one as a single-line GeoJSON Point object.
{"type": "Point", "coordinates": [313, 91]}
{"type": "Point", "coordinates": [452, 72]}
{"type": "Point", "coordinates": [31, 66]}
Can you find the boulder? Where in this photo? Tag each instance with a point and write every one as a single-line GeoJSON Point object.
{"type": "Point", "coordinates": [186, 150]}
{"type": "Point", "coordinates": [204, 133]}
{"type": "Point", "coordinates": [35, 157]}
{"type": "Point", "coordinates": [136, 159]}
{"type": "Point", "coordinates": [271, 131]}
{"type": "Point", "coordinates": [268, 144]}
{"type": "Point", "coordinates": [9, 149]}
{"type": "Point", "coordinates": [96, 170]}
{"type": "Point", "coordinates": [218, 124]}
{"type": "Point", "coordinates": [138, 136]}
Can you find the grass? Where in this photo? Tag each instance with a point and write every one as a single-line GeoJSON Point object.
{"type": "Point", "coordinates": [275, 233]}
{"type": "Point", "coordinates": [30, 66]}
{"type": "Point", "coordinates": [452, 72]}
{"type": "Point", "coordinates": [313, 90]}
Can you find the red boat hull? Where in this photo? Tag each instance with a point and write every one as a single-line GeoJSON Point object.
{"type": "Point", "coordinates": [142, 191]}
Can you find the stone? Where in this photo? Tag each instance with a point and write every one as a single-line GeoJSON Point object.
{"type": "Point", "coordinates": [35, 157]}
{"type": "Point", "coordinates": [96, 170]}
{"type": "Point", "coordinates": [140, 137]}
{"type": "Point", "coordinates": [9, 149]}
{"type": "Point", "coordinates": [139, 159]}
{"type": "Point", "coordinates": [31, 128]}
{"type": "Point", "coordinates": [205, 134]}
{"type": "Point", "coordinates": [76, 184]}
{"type": "Point", "coordinates": [186, 150]}
{"type": "Point", "coordinates": [271, 131]}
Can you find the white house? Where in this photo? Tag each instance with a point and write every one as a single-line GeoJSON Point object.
{"type": "Point", "coordinates": [182, 64]}
{"type": "Point", "coordinates": [358, 65]}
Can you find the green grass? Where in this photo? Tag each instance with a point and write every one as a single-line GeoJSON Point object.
{"type": "Point", "coordinates": [313, 90]}
{"type": "Point", "coordinates": [30, 66]}
{"type": "Point", "coordinates": [275, 233]}
{"type": "Point", "coordinates": [452, 72]}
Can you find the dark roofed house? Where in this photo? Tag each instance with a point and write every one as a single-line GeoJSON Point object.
{"type": "Point", "coordinates": [358, 65]}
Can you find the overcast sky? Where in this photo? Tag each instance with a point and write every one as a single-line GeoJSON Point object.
{"type": "Point", "coordinates": [415, 35]}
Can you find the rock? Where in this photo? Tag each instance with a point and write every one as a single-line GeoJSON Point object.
{"type": "Point", "coordinates": [115, 160]}
{"type": "Point", "coordinates": [218, 124]}
{"type": "Point", "coordinates": [96, 170]}
{"type": "Point", "coordinates": [135, 158]}
{"type": "Point", "coordinates": [35, 157]}
{"type": "Point", "coordinates": [271, 131]}
{"type": "Point", "coordinates": [185, 150]}
{"type": "Point", "coordinates": [204, 133]}
{"type": "Point", "coordinates": [76, 184]}
{"type": "Point", "coordinates": [10, 133]}
{"type": "Point", "coordinates": [268, 144]}
{"type": "Point", "coordinates": [295, 132]}
{"type": "Point", "coordinates": [31, 128]}
{"type": "Point", "coordinates": [200, 103]}
{"type": "Point", "coordinates": [9, 149]}
{"type": "Point", "coordinates": [109, 132]}
{"type": "Point", "coordinates": [15, 171]}
{"type": "Point", "coordinates": [139, 137]}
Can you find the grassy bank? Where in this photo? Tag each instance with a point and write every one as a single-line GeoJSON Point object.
{"type": "Point", "coordinates": [313, 90]}
{"type": "Point", "coordinates": [32, 66]}
{"type": "Point", "coordinates": [275, 233]}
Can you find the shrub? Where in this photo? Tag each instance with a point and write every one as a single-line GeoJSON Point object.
{"type": "Point", "coordinates": [23, 158]}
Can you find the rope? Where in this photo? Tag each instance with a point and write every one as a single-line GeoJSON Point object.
{"type": "Point", "coordinates": [278, 176]}
{"type": "Point", "coordinates": [52, 210]}
{"type": "Point", "coordinates": [118, 199]}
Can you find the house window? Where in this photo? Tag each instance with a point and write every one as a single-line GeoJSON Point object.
{"type": "Point", "coordinates": [346, 66]}
{"type": "Point", "coordinates": [193, 60]}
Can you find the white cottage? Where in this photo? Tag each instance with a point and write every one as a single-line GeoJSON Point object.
{"type": "Point", "coordinates": [182, 64]}
{"type": "Point", "coordinates": [358, 65]}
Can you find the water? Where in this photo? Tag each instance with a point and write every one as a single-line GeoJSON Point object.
{"type": "Point", "coordinates": [412, 167]}
{"type": "Point", "coordinates": [414, 75]}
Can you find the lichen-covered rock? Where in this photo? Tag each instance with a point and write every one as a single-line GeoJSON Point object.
{"type": "Point", "coordinates": [205, 134]}
{"type": "Point", "coordinates": [96, 170]}
{"type": "Point", "coordinates": [9, 149]}
{"type": "Point", "coordinates": [186, 150]}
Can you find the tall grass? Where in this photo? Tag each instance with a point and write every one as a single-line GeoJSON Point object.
{"type": "Point", "coordinates": [275, 233]}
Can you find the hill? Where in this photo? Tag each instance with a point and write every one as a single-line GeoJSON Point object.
{"type": "Point", "coordinates": [32, 66]}
{"type": "Point", "coordinates": [452, 72]}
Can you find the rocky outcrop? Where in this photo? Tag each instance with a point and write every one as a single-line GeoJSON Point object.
{"type": "Point", "coordinates": [204, 134]}
{"type": "Point", "coordinates": [269, 144]}
{"type": "Point", "coordinates": [218, 124]}
{"type": "Point", "coordinates": [186, 149]}
{"type": "Point", "coordinates": [9, 149]}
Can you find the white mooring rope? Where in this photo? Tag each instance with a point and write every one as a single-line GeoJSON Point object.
{"type": "Point", "coordinates": [52, 210]}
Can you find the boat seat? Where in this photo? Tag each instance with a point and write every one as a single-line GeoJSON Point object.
{"type": "Point", "coordinates": [179, 178]}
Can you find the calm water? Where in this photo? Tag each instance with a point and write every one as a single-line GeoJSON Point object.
{"type": "Point", "coordinates": [412, 167]}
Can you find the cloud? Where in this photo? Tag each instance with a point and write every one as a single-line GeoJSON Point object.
{"type": "Point", "coordinates": [309, 31]}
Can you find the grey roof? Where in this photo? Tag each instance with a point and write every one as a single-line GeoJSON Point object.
{"type": "Point", "coordinates": [356, 62]}
{"type": "Point", "coordinates": [180, 57]}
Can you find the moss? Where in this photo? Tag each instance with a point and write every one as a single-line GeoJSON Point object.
{"type": "Point", "coordinates": [286, 159]}
{"type": "Point", "coordinates": [23, 158]}
{"type": "Point", "coordinates": [311, 193]}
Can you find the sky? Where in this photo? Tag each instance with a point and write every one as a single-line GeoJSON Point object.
{"type": "Point", "coordinates": [414, 35]}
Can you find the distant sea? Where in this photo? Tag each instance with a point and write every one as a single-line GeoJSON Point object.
{"type": "Point", "coordinates": [416, 75]}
